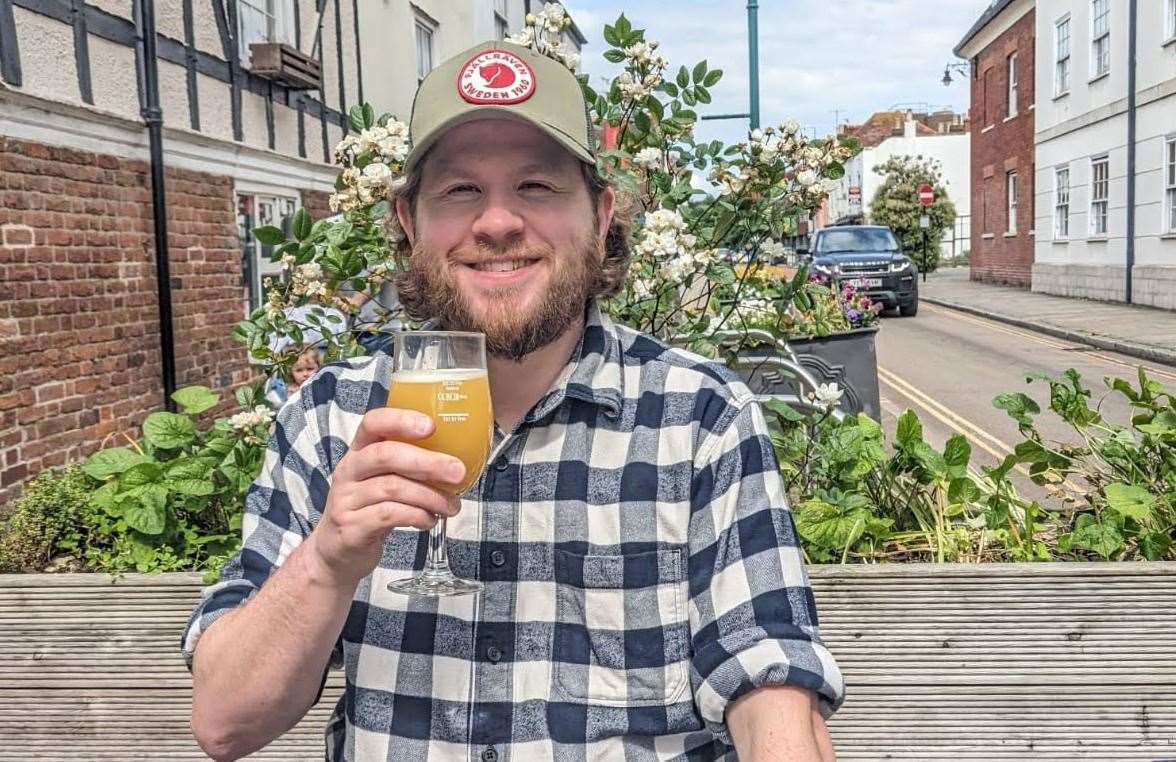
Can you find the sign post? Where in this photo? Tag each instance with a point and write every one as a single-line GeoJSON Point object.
{"type": "Point", "coordinates": [926, 198]}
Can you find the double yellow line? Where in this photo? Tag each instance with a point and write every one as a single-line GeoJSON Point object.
{"type": "Point", "coordinates": [1052, 343]}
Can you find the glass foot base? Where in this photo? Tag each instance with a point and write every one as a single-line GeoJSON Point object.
{"type": "Point", "coordinates": [437, 585]}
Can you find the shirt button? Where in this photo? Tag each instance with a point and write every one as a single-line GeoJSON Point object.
{"type": "Point", "coordinates": [498, 558]}
{"type": "Point", "coordinates": [489, 755]}
{"type": "Point", "coordinates": [502, 464]}
{"type": "Point", "coordinates": [494, 654]}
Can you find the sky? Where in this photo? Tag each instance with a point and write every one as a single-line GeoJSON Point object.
{"type": "Point", "coordinates": [820, 60]}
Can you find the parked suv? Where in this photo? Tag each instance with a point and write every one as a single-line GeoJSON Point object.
{"type": "Point", "coordinates": [869, 258]}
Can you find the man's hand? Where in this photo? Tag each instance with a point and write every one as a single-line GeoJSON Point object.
{"type": "Point", "coordinates": [779, 723]}
{"type": "Point", "coordinates": [380, 484]}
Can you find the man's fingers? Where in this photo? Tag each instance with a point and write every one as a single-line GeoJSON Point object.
{"type": "Point", "coordinates": [403, 459]}
{"type": "Point", "coordinates": [387, 423]}
{"type": "Point", "coordinates": [398, 489]}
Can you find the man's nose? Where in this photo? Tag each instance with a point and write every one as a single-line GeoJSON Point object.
{"type": "Point", "coordinates": [498, 223]}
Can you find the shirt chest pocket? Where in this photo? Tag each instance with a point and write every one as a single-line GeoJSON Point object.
{"type": "Point", "coordinates": [621, 635]}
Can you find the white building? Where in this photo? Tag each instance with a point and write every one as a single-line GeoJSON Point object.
{"type": "Point", "coordinates": [1082, 160]}
{"type": "Point", "coordinates": [855, 191]}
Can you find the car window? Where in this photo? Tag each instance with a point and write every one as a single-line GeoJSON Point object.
{"type": "Point", "coordinates": [860, 239]}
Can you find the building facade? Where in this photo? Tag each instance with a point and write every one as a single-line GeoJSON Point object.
{"type": "Point", "coordinates": [1088, 229]}
{"type": "Point", "coordinates": [941, 136]}
{"type": "Point", "coordinates": [1000, 50]}
{"type": "Point", "coordinates": [244, 142]}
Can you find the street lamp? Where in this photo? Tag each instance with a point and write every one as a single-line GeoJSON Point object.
{"type": "Point", "coordinates": [959, 68]}
{"type": "Point", "coordinates": [753, 112]}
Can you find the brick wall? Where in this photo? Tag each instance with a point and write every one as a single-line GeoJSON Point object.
{"type": "Point", "coordinates": [316, 204]}
{"type": "Point", "coordinates": [999, 146]}
{"type": "Point", "coordinates": [79, 326]}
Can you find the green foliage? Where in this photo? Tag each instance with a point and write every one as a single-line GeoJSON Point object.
{"type": "Point", "coordinates": [48, 509]}
{"type": "Point", "coordinates": [896, 204]}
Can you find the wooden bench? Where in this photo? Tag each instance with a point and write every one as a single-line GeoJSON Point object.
{"type": "Point", "coordinates": [943, 662]}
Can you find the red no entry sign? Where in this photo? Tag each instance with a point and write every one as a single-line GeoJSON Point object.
{"type": "Point", "coordinates": [926, 194]}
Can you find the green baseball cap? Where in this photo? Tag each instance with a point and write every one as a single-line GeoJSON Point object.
{"type": "Point", "coordinates": [498, 79]}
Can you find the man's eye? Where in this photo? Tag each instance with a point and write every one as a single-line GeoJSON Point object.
{"type": "Point", "coordinates": [532, 185]}
{"type": "Point", "coordinates": [459, 190]}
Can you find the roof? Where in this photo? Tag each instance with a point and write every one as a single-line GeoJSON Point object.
{"type": "Point", "coordinates": [995, 8]}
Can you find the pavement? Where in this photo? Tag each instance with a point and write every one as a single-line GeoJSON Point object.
{"type": "Point", "coordinates": [1145, 333]}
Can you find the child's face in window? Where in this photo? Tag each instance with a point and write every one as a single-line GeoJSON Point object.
{"type": "Point", "coordinates": [303, 369]}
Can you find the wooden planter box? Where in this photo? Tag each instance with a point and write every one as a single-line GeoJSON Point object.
{"type": "Point", "coordinates": [1058, 661]}
{"type": "Point", "coordinates": [849, 360]}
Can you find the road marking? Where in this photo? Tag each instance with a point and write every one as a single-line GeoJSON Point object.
{"type": "Point", "coordinates": [985, 323]}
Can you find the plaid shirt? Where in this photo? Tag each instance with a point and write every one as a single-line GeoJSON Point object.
{"type": "Point", "coordinates": [640, 564]}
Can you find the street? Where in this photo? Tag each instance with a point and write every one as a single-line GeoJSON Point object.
{"type": "Point", "coordinates": [948, 366]}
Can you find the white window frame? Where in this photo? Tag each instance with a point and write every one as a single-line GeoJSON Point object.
{"type": "Point", "coordinates": [1169, 21]}
{"type": "Point", "coordinates": [1011, 71]}
{"type": "Point", "coordinates": [502, 18]}
{"type": "Point", "coordinates": [1062, 58]}
{"type": "Point", "coordinates": [255, 257]}
{"type": "Point", "coordinates": [264, 21]}
{"type": "Point", "coordinates": [424, 36]}
{"type": "Point", "coordinates": [1169, 176]}
{"type": "Point", "coordinates": [1100, 39]}
{"type": "Point", "coordinates": [1061, 205]}
{"type": "Point", "coordinates": [1012, 198]}
{"type": "Point", "coordinates": [1100, 195]}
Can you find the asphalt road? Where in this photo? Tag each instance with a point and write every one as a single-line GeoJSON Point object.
{"type": "Point", "coordinates": [948, 366]}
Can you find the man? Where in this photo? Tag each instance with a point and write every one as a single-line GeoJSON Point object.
{"type": "Point", "coordinates": [644, 594]}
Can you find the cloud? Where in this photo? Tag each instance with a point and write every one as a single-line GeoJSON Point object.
{"type": "Point", "coordinates": [816, 57]}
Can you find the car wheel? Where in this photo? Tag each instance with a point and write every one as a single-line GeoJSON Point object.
{"type": "Point", "coordinates": [909, 310]}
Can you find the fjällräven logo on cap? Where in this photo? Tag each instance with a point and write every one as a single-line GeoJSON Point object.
{"type": "Point", "coordinates": [496, 76]}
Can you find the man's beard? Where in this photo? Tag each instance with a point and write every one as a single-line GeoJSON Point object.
{"type": "Point", "coordinates": [428, 289]}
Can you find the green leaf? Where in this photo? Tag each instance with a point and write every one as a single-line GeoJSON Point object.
{"type": "Point", "coordinates": [112, 462]}
{"type": "Point", "coordinates": [835, 171]}
{"type": "Point", "coordinates": [910, 429]}
{"type": "Point", "coordinates": [784, 411]}
{"type": "Point", "coordinates": [613, 55]}
{"type": "Point", "coordinates": [701, 94]}
{"type": "Point", "coordinates": [1130, 501]}
{"type": "Point", "coordinates": [190, 468]}
{"type": "Point", "coordinates": [962, 490]}
{"type": "Point", "coordinates": [195, 399]}
{"type": "Point", "coordinates": [699, 71]}
{"type": "Point", "coordinates": [683, 78]}
{"type": "Point", "coordinates": [169, 431]}
{"type": "Point", "coordinates": [269, 235]}
{"type": "Point", "coordinates": [624, 27]}
{"type": "Point", "coordinates": [712, 77]}
{"type": "Point", "coordinates": [244, 396]}
{"type": "Point", "coordinates": [930, 460]}
{"type": "Point", "coordinates": [1103, 537]}
{"type": "Point", "coordinates": [956, 455]}
{"type": "Point", "coordinates": [103, 497]}
{"type": "Point", "coordinates": [147, 511]}
{"type": "Point", "coordinates": [1155, 545]}
{"type": "Point", "coordinates": [611, 37]}
{"type": "Point", "coordinates": [355, 116]}
{"type": "Point", "coordinates": [369, 115]}
{"type": "Point", "coordinates": [302, 224]}
{"type": "Point", "coordinates": [1019, 406]}
{"type": "Point", "coordinates": [670, 89]}
{"type": "Point", "coordinates": [194, 487]}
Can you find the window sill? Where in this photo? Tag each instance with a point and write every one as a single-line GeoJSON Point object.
{"type": "Point", "coordinates": [987, 129]}
{"type": "Point", "coordinates": [1032, 106]}
{"type": "Point", "coordinates": [1011, 117]}
{"type": "Point", "coordinates": [1168, 42]}
{"type": "Point", "coordinates": [1032, 233]}
{"type": "Point", "coordinates": [1011, 235]}
{"type": "Point", "coordinates": [1060, 241]}
{"type": "Point", "coordinates": [1097, 77]}
{"type": "Point", "coordinates": [988, 236]}
{"type": "Point", "coordinates": [1059, 96]}
{"type": "Point", "coordinates": [1168, 236]}
{"type": "Point", "coordinates": [1097, 239]}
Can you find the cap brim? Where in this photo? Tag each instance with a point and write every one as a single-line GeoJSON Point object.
{"type": "Point", "coordinates": [474, 113]}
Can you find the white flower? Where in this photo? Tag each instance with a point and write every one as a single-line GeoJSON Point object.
{"type": "Point", "coordinates": [791, 127]}
{"type": "Point", "coordinates": [826, 395]}
{"type": "Point", "coordinates": [757, 135]}
{"type": "Point", "coordinates": [641, 289]}
{"type": "Point", "coordinates": [806, 177]}
{"type": "Point", "coordinates": [639, 52]}
{"type": "Point", "coordinates": [651, 158]}
{"type": "Point", "coordinates": [287, 261]}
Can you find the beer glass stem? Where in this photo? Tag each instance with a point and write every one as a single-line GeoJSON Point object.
{"type": "Point", "coordinates": [437, 563]}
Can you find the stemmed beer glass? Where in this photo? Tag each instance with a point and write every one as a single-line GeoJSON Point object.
{"type": "Point", "coordinates": [443, 375]}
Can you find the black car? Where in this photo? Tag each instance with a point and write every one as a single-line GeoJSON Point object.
{"type": "Point", "coordinates": [870, 259]}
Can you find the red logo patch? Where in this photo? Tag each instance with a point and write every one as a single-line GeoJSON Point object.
{"type": "Point", "coordinates": [496, 76]}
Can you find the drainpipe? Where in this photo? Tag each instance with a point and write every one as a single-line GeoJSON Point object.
{"type": "Point", "coordinates": [753, 61]}
{"type": "Point", "coordinates": [1131, 63]}
{"type": "Point", "coordinates": [153, 116]}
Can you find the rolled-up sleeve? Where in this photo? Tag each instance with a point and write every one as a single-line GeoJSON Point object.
{"type": "Point", "coordinates": [752, 615]}
{"type": "Point", "coordinates": [281, 508]}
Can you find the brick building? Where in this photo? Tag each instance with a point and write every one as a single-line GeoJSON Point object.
{"type": "Point", "coordinates": [81, 351]}
{"type": "Point", "coordinates": [1000, 48]}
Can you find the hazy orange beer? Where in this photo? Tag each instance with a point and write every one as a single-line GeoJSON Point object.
{"type": "Point", "coordinates": [458, 401]}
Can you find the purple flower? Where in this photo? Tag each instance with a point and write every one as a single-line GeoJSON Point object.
{"type": "Point", "coordinates": [853, 315]}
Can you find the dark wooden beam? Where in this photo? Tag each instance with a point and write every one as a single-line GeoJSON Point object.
{"type": "Point", "coordinates": [233, 56]}
{"type": "Point", "coordinates": [358, 57]}
{"type": "Point", "coordinates": [319, 5]}
{"type": "Point", "coordinates": [301, 106]}
{"type": "Point", "coordinates": [77, 12]}
{"type": "Point", "coordinates": [9, 48]}
{"type": "Point", "coordinates": [190, 66]}
{"type": "Point", "coordinates": [339, 59]}
{"type": "Point", "coordinates": [269, 117]}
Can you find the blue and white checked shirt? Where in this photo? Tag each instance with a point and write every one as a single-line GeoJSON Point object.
{"type": "Point", "coordinates": [640, 564]}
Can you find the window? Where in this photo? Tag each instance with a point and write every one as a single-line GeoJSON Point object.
{"type": "Point", "coordinates": [1011, 202]}
{"type": "Point", "coordinates": [984, 207]}
{"type": "Point", "coordinates": [1062, 202]}
{"type": "Point", "coordinates": [1012, 70]}
{"type": "Point", "coordinates": [1062, 57]}
{"type": "Point", "coordinates": [424, 48]}
{"type": "Point", "coordinates": [1170, 182]}
{"type": "Point", "coordinates": [264, 21]}
{"type": "Point", "coordinates": [1100, 169]}
{"type": "Point", "coordinates": [256, 210]}
{"type": "Point", "coordinates": [1100, 37]}
{"type": "Point", "coordinates": [501, 19]}
{"type": "Point", "coordinates": [1170, 21]}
